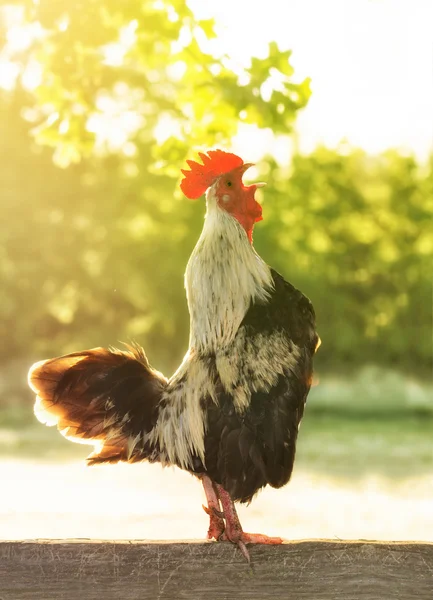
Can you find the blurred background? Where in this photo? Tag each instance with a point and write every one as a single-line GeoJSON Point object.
{"type": "Point", "coordinates": [101, 102]}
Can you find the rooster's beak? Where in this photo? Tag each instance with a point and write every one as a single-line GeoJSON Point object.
{"type": "Point", "coordinates": [244, 168]}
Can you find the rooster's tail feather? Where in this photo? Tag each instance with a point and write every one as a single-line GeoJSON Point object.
{"type": "Point", "coordinates": [105, 397]}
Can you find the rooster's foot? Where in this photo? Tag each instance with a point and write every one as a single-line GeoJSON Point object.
{"type": "Point", "coordinates": [233, 529]}
{"type": "Point", "coordinates": [216, 523]}
{"type": "Point", "coordinates": [240, 538]}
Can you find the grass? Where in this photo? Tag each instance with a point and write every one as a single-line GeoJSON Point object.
{"type": "Point", "coordinates": [352, 447]}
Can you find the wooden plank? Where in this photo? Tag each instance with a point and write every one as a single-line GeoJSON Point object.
{"type": "Point", "coordinates": [313, 570]}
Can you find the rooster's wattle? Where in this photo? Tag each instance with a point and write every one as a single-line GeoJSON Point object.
{"type": "Point", "coordinates": [230, 414]}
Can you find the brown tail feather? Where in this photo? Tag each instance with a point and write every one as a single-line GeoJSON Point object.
{"type": "Point", "coordinates": [108, 398]}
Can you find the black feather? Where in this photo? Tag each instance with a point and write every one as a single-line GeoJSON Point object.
{"type": "Point", "coordinates": [244, 451]}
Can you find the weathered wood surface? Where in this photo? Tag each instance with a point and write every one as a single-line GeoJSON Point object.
{"type": "Point", "coordinates": [313, 570]}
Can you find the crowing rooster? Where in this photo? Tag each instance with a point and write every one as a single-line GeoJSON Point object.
{"type": "Point", "coordinates": [231, 412]}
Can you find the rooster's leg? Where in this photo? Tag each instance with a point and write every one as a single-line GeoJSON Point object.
{"type": "Point", "coordinates": [233, 531]}
{"type": "Point", "coordinates": [213, 509]}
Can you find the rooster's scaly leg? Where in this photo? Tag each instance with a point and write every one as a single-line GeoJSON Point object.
{"type": "Point", "coordinates": [233, 530]}
{"type": "Point", "coordinates": [213, 509]}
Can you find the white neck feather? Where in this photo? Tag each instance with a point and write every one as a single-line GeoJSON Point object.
{"type": "Point", "coordinates": [223, 276]}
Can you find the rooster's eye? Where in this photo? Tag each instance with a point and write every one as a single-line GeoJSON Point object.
{"type": "Point", "coordinates": [229, 183]}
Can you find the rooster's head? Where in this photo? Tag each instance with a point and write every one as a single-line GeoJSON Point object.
{"type": "Point", "coordinates": [221, 174]}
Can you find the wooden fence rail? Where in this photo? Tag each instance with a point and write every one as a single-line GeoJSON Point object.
{"type": "Point", "coordinates": [310, 570]}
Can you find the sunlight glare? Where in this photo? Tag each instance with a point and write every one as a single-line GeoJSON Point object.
{"type": "Point", "coordinates": [166, 127]}
{"type": "Point", "coordinates": [177, 70]}
{"type": "Point", "coordinates": [9, 73]}
{"type": "Point", "coordinates": [20, 37]}
{"type": "Point", "coordinates": [63, 24]}
{"type": "Point", "coordinates": [370, 65]}
{"type": "Point", "coordinates": [147, 502]}
{"type": "Point", "coordinates": [32, 75]}
{"type": "Point", "coordinates": [114, 53]}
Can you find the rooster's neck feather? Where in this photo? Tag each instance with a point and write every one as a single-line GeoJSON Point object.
{"type": "Point", "coordinates": [224, 275]}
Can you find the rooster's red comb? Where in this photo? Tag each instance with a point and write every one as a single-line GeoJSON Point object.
{"type": "Point", "coordinates": [200, 177]}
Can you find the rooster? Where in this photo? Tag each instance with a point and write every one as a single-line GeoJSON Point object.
{"type": "Point", "coordinates": [230, 413]}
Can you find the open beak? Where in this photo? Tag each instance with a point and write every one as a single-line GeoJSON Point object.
{"type": "Point", "coordinates": [244, 168]}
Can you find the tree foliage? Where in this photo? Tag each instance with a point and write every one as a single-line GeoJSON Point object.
{"type": "Point", "coordinates": [355, 231]}
{"type": "Point", "coordinates": [95, 253]}
{"type": "Point", "coordinates": [138, 64]}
